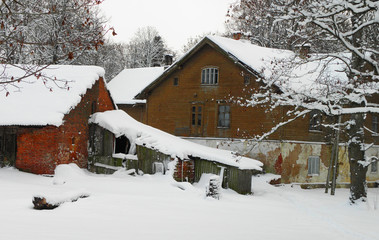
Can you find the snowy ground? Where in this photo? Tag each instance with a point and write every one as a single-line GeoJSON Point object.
{"type": "Point", "coordinates": [156, 207]}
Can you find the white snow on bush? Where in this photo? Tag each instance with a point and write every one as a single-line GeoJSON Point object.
{"type": "Point", "coordinates": [120, 123]}
{"type": "Point", "coordinates": [32, 102]}
{"type": "Point", "coordinates": [130, 82]}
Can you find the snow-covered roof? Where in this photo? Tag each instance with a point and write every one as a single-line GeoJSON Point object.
{"type": "Point", "coordinates": [120, 123]}
{"type": "Point", "coordinates": [269, 63]}
{"type": "Point", "coordinates": [35, 103]}
{"type": "Point", "coordinates": [128, 83]}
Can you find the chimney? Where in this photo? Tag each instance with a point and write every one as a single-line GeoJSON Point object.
{"type": "Point", "coordinates": [303, 50]}
{"type": "Point", "coordinates": [237, 35]}
{"type": "Point", "coordinates": [168, 59]}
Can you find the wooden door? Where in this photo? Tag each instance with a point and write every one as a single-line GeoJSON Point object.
{"type": "Point", "coordinates": [7, 147]}
{"type": "Point", "coordinates": [197, 120]}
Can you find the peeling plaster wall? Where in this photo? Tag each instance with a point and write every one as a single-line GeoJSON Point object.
{"type": "Point", "coordinates": [290, 159]}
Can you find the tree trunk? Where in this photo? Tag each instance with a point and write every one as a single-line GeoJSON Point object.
{"type": "Point", "coordinates": [356, 132]}
{"type": "Point", "coordinates": [356, 154]}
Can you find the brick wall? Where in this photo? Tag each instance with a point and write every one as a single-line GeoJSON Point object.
{"type": "Point", "coordinates": [136, 111]}
{"type": "Point", "coordinates": [169, 106]}
{"type": "Point", "coordinates": [185, 171]}
{"type": "Point", "coordinates": [41, 149]}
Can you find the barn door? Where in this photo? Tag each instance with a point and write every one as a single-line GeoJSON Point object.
{"type": "Point", "coordinates": [196, 120]}
{"type": "Point", "coordinates": [7, 148]}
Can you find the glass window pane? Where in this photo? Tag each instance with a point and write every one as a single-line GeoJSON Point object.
{"type": "Point", "coordinates": [199, 109]}
{"type": "Point", "coordinates": [216, 76]}
{"type": "Point", "coordinates": [227, 123]}
{"type": "Point", "coordinates": [199, 119]}
{"type": "Point", "coordinates": [193, 119]}
{"type": "Point", "coordinates": [212, 76]}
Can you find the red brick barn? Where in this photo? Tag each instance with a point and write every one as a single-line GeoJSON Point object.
{"type": "Point", "coordinates": [45, 123]}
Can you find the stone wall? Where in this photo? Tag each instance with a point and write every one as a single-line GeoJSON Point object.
{"type": "Point", "coordinates": [290, 159]}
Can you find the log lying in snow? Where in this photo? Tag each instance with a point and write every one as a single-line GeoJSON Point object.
{"type": "Point", "coordinates": [42, 202]}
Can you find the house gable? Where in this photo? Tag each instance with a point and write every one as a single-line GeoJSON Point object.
{"type": "Point", "coordinates": [170, 106]}
{"type": "Point", "coordinates": [41, 149]}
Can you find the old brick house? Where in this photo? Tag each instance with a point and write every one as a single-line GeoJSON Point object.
{"type": "Point", "coordinates": [127, 84]}
{"type": "Point", "coordinates": [192, 99]}
{"type": "Point", "coordinates": [44, 124]}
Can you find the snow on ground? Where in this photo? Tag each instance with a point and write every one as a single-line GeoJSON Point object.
{"type": "Point", "coordinates": [156, 207]}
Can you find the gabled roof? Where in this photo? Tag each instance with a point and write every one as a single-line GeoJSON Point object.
{"type": "Point", "coordinates": [120, 123]}
{"type": "Point", "coordinates": [34, 103]}
{"type": "Point", "coordinates": [265, 63]}
{"type": "Point", "coordinates": [240, 52]}
{"type": "Point", "coordinates": [130, 82]}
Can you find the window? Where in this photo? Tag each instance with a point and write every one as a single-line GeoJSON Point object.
{"type": "Point", "coordinates": [246, 79]}
{"type": "Point", "coordinates": [197, 112]}
{"type": "Point", "coordinates": [209, 76]}
{"type": "Point", "coordinates": [315, 121]}
{"type": "Point", "coordinates": [223, 116]}
{"type": "Point", "coordinates": [158, 167]}
{"type": "Point", "coordinates": [176, 81]}
{"type": "Point", "coordinates": [313, 165]}
{"type": "Point", "coordinates": [122, 145]}
{"type": "Point", "coordinates": [374, 166]}
{"type": "Point", "coordinates": [93, 107]}
{"type": "Point", "coordinates": [375, 123]}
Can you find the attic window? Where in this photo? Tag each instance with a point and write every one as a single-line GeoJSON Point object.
{"type": "Point", "coordinates": [93, 107]}
{"type": "Point", "coordinates": [209, 76]}
{"type": "Point", "coordinates": [246, 79]}
{"type": "Point", "coordinates": [176, 81]}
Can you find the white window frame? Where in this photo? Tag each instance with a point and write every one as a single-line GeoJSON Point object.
{"type": "Point", "coordinates": [313, 166]}
{"type": "Point", "coordinates": [209, 76]}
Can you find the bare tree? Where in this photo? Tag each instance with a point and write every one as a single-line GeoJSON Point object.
{"type": "Point", "coordinates": [258, 21]}
{"type": "Point", "coordinates": [44, 32]}
{"type": "Point", "coordinates": [146, 49]}
{"type": "Point", "coordinates": [345, 81]}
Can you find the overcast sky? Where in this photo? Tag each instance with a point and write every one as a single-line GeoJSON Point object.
{"type": "Point", "coordinates": [175, 20]}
